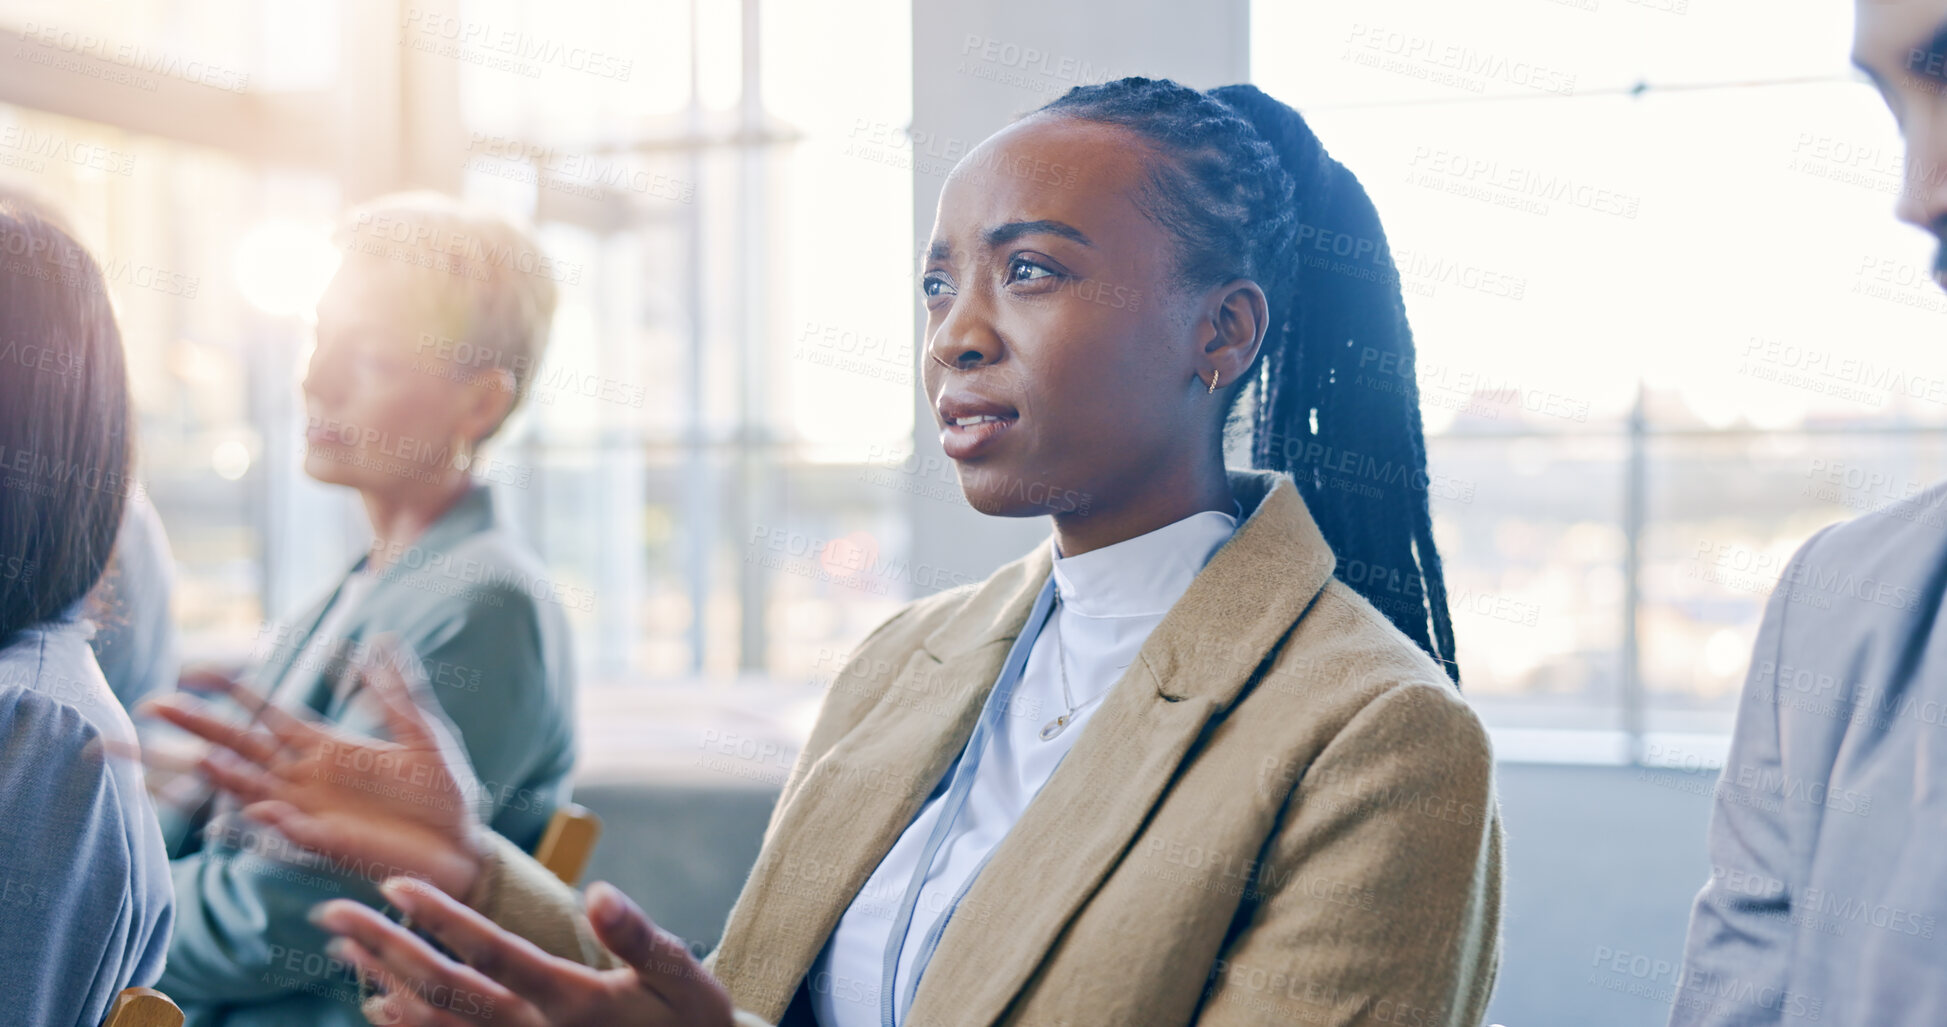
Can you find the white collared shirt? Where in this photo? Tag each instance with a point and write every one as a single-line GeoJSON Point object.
{"type": "Point", "coordinates": [1110, 600]}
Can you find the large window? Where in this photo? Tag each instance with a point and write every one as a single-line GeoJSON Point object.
{"type": "Point", "coordinates": [725, 200]}
{"type": "Point", "coordinates": [1667, 326]}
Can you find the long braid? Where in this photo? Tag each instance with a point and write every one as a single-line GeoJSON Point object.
{"type": "Point", "coordinates": [1250, 192]}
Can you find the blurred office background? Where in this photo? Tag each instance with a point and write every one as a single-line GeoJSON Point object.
{"type": "Point", "coordinates": [1667, 328]}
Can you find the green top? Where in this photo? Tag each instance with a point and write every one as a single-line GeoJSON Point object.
{"type": "Point", "coordinates": [478, 608]}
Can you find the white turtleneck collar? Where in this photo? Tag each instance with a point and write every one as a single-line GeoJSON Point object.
{"type": "Point", "coordinates": [1142, 576]}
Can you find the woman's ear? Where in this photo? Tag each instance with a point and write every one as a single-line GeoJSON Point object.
{"type": "Point", "coordinates": [1238, 316]}
{"type": "Point", "coordinates": [490, 398]}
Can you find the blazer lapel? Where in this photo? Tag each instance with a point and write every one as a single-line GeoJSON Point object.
{"type": "Point", "coordinates": [857, 799]}
{"type": "Point", "coordinates": [1076, 829]}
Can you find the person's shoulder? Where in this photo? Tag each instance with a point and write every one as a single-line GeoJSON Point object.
{"type": "Point", "coordinates": [1345, 636]}
{"type": "Point", "coordinates": [496, 571]}
{"type": "Point", "coordinates": [1348, 668]}
{"type": "Point", "coordinates": [1895, 534]}
{"type": "Point", "coordinates": [80, 824]}
{"type": "Point", "coordinates": [498, 553]}
{"type": "Point", "coordinates": [58, 728]}
{"type": "Point", "coordinates": [1881, 563]}
{"type": "Point", "coordinates": [50, 676]}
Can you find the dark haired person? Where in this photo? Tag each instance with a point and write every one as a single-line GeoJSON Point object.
{"type": "Point", "coordinates": [427, 338]}
{"type": "Point", "coordinates": [1168, 768]}
{"type": "Point", "coordinates": [1827, 898]}
{"type": "Point", "coordinates": [84, 881]}
{"type": "Point", "coordinates": [134, 638]}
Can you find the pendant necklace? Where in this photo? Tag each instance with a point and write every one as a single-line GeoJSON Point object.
{"type": "Point", "coordinates": [1060, 724]}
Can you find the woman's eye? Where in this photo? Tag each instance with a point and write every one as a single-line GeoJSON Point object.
{"type": "Point", "coordinates": [933, 285]}
{"type": "Point", "coordinates": [1022, 270]}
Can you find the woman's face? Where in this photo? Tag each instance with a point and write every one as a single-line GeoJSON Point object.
{"type": "Point", "coordinates": [385, 404]}
{"type": "Point", "coordinates": [1062, 359]}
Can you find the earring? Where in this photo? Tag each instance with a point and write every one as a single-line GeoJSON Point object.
{"type": "Point", "coordinates": [1213, 379]}
{"type": "Point", "coordinates": [462, 455]}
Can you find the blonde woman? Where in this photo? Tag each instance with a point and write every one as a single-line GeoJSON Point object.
{"type": "Point", "coordinates": [427, 339]}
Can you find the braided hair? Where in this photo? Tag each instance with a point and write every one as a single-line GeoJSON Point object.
{"type": "Point", "coordinates": [1249, 192]}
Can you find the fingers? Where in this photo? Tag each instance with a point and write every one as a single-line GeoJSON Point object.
{"type": "Point", "coordinates": [660, 958]}
{"type": "Point", "coordinates": [247, 782]}
{"type": "Point", "coordinates": [191, 715]}
{"type": "Point", "coordinates": [420, 985]}
{"type": "Point", "coordinates": [203, 679]}
{"type": "Point", "coordinates": [484, 945]}
{"type": "Point", "coordinates": [390, 676]}
{"type": "Point", "coordinates": [291, 730]}
{"type": "Point", "coordinates": [414, 717]}
{"type": "Point", "coordinates": [303, 829]}
{"type": "Point", "coordinates": [287, 727]}
{"type": "Point", "coordinates": [218, 684]}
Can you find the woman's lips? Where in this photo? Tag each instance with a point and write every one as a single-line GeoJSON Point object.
{"type": "Point", "coordinates": [967, 437]}
{"type": "Point", "coordinates": [321, 433]}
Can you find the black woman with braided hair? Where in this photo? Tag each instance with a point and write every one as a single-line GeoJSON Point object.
{"type": "Point", "coordinates": [1200, 758]}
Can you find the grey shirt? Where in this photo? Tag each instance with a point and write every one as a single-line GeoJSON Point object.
{"type": "Point", "coordinates": [1827, 900]}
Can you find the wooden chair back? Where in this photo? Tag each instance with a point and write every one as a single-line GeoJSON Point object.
{"type": "Point", "coordinates": [143, 1007]}
{"type": "Point", "coordinates": [568, 841]}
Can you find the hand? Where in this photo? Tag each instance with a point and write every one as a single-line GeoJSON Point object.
{"type": "Point", "coordinates": [405, 804]}
{"type": "Point", "coordinates": [503, 979]}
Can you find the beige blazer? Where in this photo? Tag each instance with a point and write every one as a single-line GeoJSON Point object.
{"type": "Point", "coordinates": [1282, 814]}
